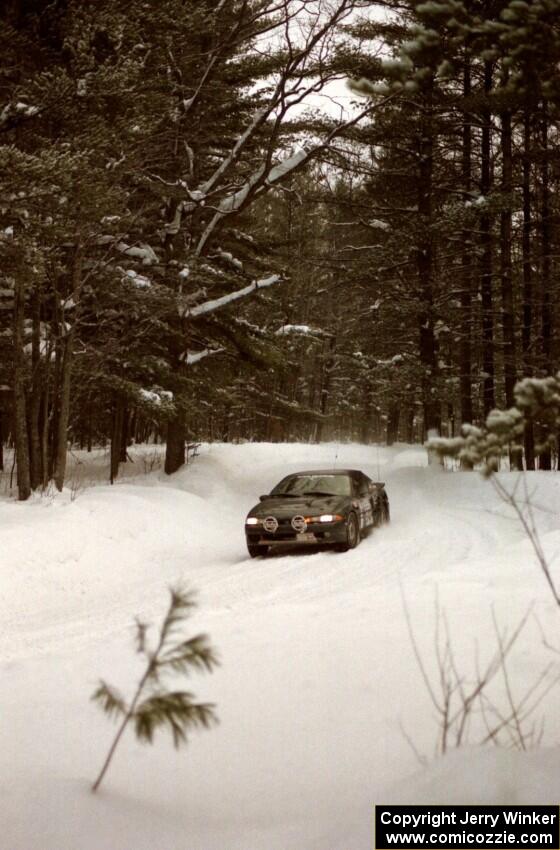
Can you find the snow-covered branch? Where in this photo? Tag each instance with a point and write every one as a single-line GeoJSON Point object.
{"type": "Point", "coordinates": [268, 175]}
{"type": "Point", "coordinates": [218, 303]}
{"type": "Point", "coordinates": [192, 357]}
{"type": "Point", "coordinates": [13, 113]}
{"type": "Point", "coordinates": [142, 252]}
{"type": "Point", "coordinates": [293, 70]}
{"type": "Point", "coordinates": [301, 330]}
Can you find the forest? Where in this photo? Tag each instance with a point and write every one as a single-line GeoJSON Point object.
{"type": "Point", "coordinates": [276, 220]}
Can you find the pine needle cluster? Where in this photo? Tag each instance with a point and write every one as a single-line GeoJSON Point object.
{"type": "Point", "coordinates": [154, 706]}
{"type": "Point", "coordinates": [537, 400]}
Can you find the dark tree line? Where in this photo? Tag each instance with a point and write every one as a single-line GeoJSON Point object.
{"type": "Point", "coordinates": [187, 253]}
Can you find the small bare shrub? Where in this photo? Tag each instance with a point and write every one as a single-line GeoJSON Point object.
{"type": "Point", "coordinates": [459, 698]}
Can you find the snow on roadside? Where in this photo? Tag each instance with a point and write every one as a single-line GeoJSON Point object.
{"type": "Point", "coordinates": [497, 776]}
{"type": "Point", "coordinates": [317, 674]}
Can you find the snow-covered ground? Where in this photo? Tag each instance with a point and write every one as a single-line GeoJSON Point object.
{"type": "Point", "coordinates": [319, 693]}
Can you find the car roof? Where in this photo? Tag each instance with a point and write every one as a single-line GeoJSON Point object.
{"type": "Point", "coordinates": [326, 472]}
{"type": "Point", "coordinates": [332, 472]}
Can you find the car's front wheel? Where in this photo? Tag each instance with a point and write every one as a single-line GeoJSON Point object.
{"type": "Point", "coordinates": [352, 534]}
{"type": "Point", "coordinates": [255, 550]}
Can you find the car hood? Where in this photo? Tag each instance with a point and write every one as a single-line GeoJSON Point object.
{"type": "Point", "coordinates": [284, 506]}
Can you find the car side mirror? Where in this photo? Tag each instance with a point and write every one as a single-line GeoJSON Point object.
{"type": "Point", "coordinates": [266, 496]}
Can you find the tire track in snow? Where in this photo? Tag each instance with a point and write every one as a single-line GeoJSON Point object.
{"type": "Point", "coordinates": [191, 526]}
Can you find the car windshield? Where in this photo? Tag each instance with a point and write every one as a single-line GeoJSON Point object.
{"type": "Point", "coordinates": [316, 485]}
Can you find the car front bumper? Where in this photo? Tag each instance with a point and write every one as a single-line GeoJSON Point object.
{"type": "Point", "coordinates": [317, 534]}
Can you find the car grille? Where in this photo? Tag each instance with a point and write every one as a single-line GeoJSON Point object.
{"type": "Point", "coordinates": [283, 532]}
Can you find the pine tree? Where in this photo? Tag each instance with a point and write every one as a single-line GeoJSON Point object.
{"type": "Point", "coordinates": [153, 706]}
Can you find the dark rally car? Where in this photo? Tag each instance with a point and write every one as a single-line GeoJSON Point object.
{"type": "Point", "coordinates": [331, 507]}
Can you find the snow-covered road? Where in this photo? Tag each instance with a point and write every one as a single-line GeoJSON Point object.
{"type": "Point", "coordinates": [318, 688]}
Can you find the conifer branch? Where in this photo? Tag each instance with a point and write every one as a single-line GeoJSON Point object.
{"type": "Point", "coordinates": [161, 708]}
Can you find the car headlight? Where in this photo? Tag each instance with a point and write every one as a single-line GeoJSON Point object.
{"type": "Point", "coordinates": [324, 518]}
{"type": "Point", "coordinates": [252, 520]}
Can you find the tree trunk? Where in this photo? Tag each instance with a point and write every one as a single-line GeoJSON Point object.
{"type": "Point", "coordinates": [116, 438]}
{"type": "Point", "coordinates": [123, 445]}
{"type": "Point", "coordinates": [20, 417]}
{"type": "Point", "coordinates": [450, 420]}
{"type": "Point", "coordinates": [527, 329]}
{"type": "Point", "coordinates": [424, 266]}
{"type": "Point", "coordinates": [545, 460]}
{"type": "Point", "coordinates": [132, 427]}
{"type": "Point", "coordinates": [35, 460]}
{"type": "Point", "coordinates": [53, 413]}
{"type": "Point", "coordinates": [488, 393]}
{"type": "Point", "coordinates": [410, 436]}
{"type": "Point", "coordinates": [465, 346]}
{"type": "Point", "coordinates": [44, 425]}
{"type": "Point", "coordinates": [89, 437]}
{"type": "Point", "coordinates": [175, 447]}
{"type": "Point", "coordinates": [508, 328]}
{"type": "Point", "coordinates": [365, 417]}
{"type": "Point", "coordinates": [393, 423]}
{"type": "Point", "coordinates": [61, 434]}
{"type": "Point", "coordinates": [328, 366]}
{"type": "Point", "coordinates": [66, 375]}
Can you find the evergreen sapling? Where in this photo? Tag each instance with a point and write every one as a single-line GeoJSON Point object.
{"type": "Point", "coordinates": [154, 706]}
